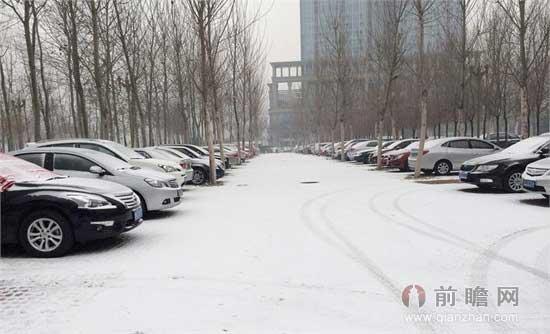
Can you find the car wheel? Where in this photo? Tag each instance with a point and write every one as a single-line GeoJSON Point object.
{"type": "Point", "coordinates": [513, 182]}
{"type": "Point", "coordinates": [46, 233]}
{"type": "Point", "coordinates": [443, 167]}
{"type": "Point", "coordinates": [199, 177]}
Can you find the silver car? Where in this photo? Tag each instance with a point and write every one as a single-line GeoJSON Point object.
{"type": "Point", "coordinates": [444, 155]}
{"type": "Point", "coordinates": [121, 152]}
{"type": "Point", "coordinates": [156, 190]}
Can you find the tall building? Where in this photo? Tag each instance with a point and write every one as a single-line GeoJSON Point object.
{"type": "Point", "coordinates": [360, 20]}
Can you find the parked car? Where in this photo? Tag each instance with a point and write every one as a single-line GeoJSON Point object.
{"type": "Point", "coordinates": [200, 164]}
{"type": "Point", "coordinates": [399, 158]}
{"type": "Point", "coordinates": [156, 190]}
{"type": "Point", "coordinates": [502, 139]}
{"type": "Point", "coordinates": [388, 147]}
{"type": "Point", "coordinates": [365, 155]}
{"type": "Point", "coordinates": [183, 162]}
{"type": "Point", "coordinates": [47, 213]}
{"type": "Point", "coordinates": [503, 170]}
{"type": "Point", "coordinates": [444, 155]}
{"type": "Point", "coordinates": [359, 148]}
{"type": "Point", "coordinates": [536, 177]}
{"type": "Point", "coordinates": [121, 152]}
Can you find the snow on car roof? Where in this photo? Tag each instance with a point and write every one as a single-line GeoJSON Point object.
{"type": "Point", "coordinates": [20, 170]}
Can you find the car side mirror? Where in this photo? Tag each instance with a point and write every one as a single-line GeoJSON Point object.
{"type": "Point", "coordinates": [545, 151]}
{"type": "Point", "coordinates": [97, 170]}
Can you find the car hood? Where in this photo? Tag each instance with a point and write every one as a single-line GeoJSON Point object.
{"type": "Point", "coordinates": [501, 157]}
{"type": "Point", "coordinates": [543, 163]}
{"type": "Point", "coordinates": [80, 184]}
{"type": "Point", "coordinates": [146, 173]}
{"type": "Point", "coordinates": [152, 163]}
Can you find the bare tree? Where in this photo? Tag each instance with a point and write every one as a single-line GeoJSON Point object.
{"type": "Point", "coordinates": [389, 53]}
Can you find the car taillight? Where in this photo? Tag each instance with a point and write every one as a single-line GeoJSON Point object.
{"type": "Point", "coordinates": [425, 152]}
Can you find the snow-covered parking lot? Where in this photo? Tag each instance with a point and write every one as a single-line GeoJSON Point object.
{"type": "Point", "coordinates": [298, 244]}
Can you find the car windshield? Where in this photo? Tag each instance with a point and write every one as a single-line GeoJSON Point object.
{"type": "Point", "coordinates": [199, 149]}
{"type": "Point", "coordinates": [528, 145]}
{"type": "Point", "coordinates": [127, 152]}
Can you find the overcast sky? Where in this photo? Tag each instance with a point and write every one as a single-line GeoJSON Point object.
{"type": "Point", "coordinates": [281, 26]}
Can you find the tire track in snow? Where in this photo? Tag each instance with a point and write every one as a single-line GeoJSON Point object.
{"type": "Point", "coordinates": [352, 252]}
{"type": "Point", "coordinates": [471, 246]}
{"type": "Point", "coordinates": [486, 256]}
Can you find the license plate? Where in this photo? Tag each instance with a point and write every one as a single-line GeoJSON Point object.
{"type": "Point", "coordinates": [529, 184]}
{"type": "Point", "coordinates": [138, 213]}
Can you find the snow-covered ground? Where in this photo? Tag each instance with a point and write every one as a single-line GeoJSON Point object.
{"type": "Point", "coordinates": [266, 253]}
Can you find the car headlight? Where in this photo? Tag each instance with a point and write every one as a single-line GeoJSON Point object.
{"type": "Point", "coordinates": [168, 169]}
{"type": "Point", "coordinates": [486, 168]}
{"type": "Point", "coordinates": [156, 183]}
{"type": "Point", "coordinates": [89, 201]}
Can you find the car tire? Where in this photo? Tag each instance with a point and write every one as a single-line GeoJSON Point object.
{"type": "Point", "coordinates": [199, 177]}
{"type": "Point", "coordinates": [513, 182]}
{"type": "Point", "coordinates": [443, 167]}
{"type": "Point", "coordinates": [46, 233]}
{"type": "Point", "coordinates": [143, 203]}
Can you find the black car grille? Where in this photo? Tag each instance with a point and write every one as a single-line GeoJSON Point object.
{"type": "Point", "coordinates": [130, 200]}
{"type": "Point", "coordinates": [467, 168]}
{"type": "Point", "coordinates": [173, 184]}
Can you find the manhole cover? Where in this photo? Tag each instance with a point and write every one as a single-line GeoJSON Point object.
{"type": "Point", "coordinates": [309, 182]}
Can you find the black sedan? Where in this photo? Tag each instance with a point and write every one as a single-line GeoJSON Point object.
{"type": "Point", "coordinates": [503, 170]}
{"type": "Point", "coordinates": [46, 213]}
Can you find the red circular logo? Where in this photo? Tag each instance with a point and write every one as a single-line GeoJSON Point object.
{"type": "Point", "coordinates": [413, 296]}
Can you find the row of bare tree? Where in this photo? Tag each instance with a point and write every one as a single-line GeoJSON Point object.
{"type": "Point", "coordinates": [432, 68]}
{"type": "Point", "coordinates": [138, 72]}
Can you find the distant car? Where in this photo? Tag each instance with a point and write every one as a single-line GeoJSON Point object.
{"type": "Point", "coordinates": [444, 155]}
{"type": "Point", "coordinates": [502, 139]}
{"type": "Point", "coordinates": [155, 153]}
{"type": "Point", "coordinates": [120, 152]}
{"type": "Point", "coordinates": [390, 146]}
{"type": "Point", "coordinates": [47, 213]}
{"type": "Point", "coordinates": [399, 158]}
{"type": "Point", "coordinates": [359, 148]}
{"type": "Point", "coordinates": [365, 155]}
{"type": "Point", "coordinates": [503, 170]}
{"type": "Point", "coordinates": [199, 163]}
{"type": "Point", "coordinates": [156, 190]}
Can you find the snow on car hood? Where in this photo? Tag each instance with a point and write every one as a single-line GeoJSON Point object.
{"type": "Point", "coordinates": [152, 163]}
{"type": "Point", "coordinates": [86, 185]}
{"type": "Point", "coordinates": [543, 163]}
{"type": "Point", "coordinates": [501, 157]}
{"type": "Point", "coordinates": [146, 173]}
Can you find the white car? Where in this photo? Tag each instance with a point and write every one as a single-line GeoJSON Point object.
{"type": "Point", "coordinates": [155, 153]}
{"type": "Point", "coordinates": [444, 155]}
{"type": "Point", "coordinates": [156, 190]}
{"type": "Point", "coordinates": [121, 152]}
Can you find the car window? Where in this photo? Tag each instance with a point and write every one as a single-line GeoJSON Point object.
{"type": "Point", "coordinates": [71, 162]}
{"type": "Point", "coordinates": [459, 144]}
{"type": "Point", "coordinates": [97, 148]}
{"type": "Point", "coordinates": [478, 144]}
{"type": "Point", "coordinates": [145, 154]}
{"type": "Point", "coordinates": [35, 158]}
{"type": "Point", "coordinates": [61, 145]}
